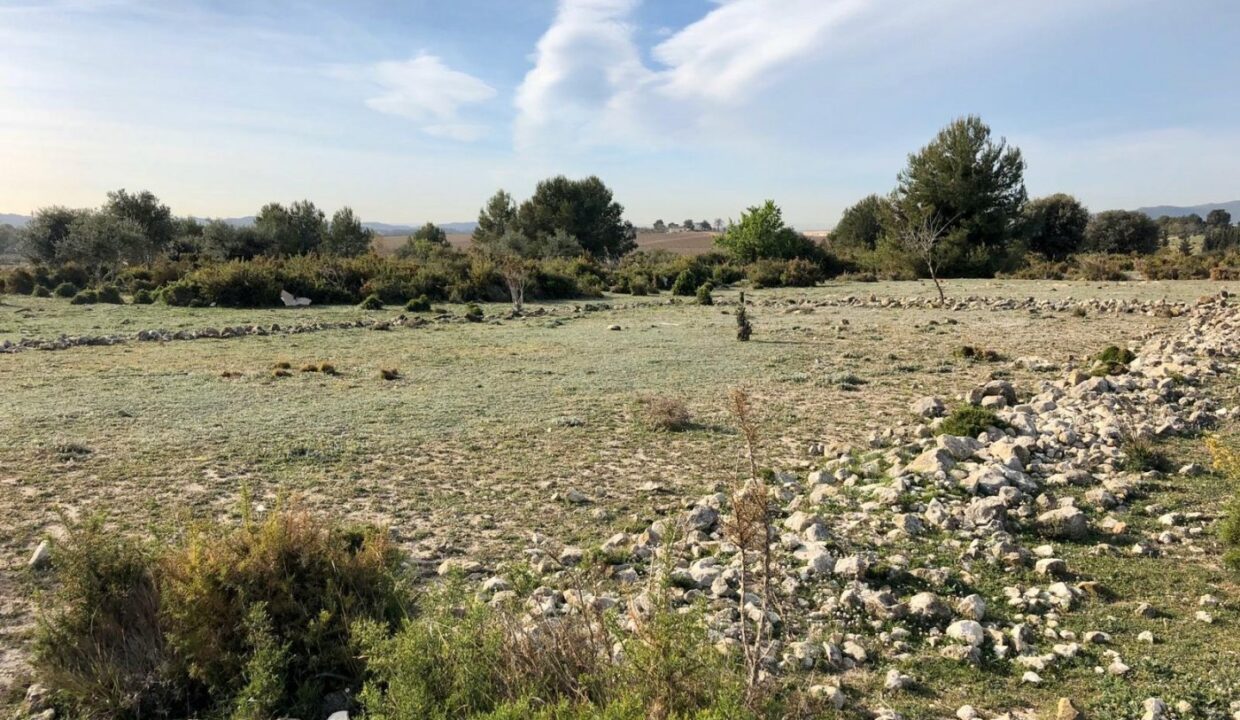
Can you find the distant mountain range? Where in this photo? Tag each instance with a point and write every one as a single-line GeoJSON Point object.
{"type": "Point", "coordinates": [1158, 211]}
{"type": "Point", "coordinates": [378, 227]}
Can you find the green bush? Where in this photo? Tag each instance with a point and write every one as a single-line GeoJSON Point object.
{"type": "Point", "coordinates": [419, 304]}
{"type": "Point", "coordinates": [255, 618]}
{"type": "Point", "coordinates": [372, 302]}
{"type": "Point", "coordinates": [1113, 360]}
{"type": "Point", "coordinates": [473, 313]}
{"type": "Point", "coordinates": [65, 290]}
{"type": "Point", "coordinates": [1142, 455]}
{"type": "Point", "coordinates": [143, 297]}
{"type": "Point", "coordinates": [85, 297]}
{"type": "Point", "coordinates": [969, 421]}
{"type": "Point", "coordinates": [704, 296]}
{"type": "Point", "coordinates": [1227, 462]}
{"type": "Point", "coordinates": [765, 273]}
{"type": "Point", "coordinates": [685, 284]}
{"type": "Point", "coordinates": [41, 291]}
{"type": "Point", "coordinates": [110, 294]}
{"type": "Point", "coordinates": [19, 281]}
{"type": "Point", "coordinates": [799, 272]}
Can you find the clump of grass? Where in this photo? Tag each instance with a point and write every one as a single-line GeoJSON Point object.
{"type": "Point", "coordinates": [109, 294]}
{"type": "Point", "coordinates": [1142, 455]}
{"type": "Point", "coordinates": [669, 414]}
{"type": "Point", "coordinates": [847, 381]}
{"type": "Point", "coordinates": [704, 291]}
{"type": "Point", "coordinates": [419, 304]}
{"type": "Point", "coordinates": [969, 352]}
{"type": "Point", "coordinates": [1227, 461]}
{"type": "Point", "coordinates": [328, 369]}
{"type": "Point", "coordinates": [65, 290]}
{"type": "Point", "coordinates": [1079, 312]}
{"type": "Point", "coordinates": [744, 328]}
{"type": "Point", "coordinates": [372, 302]}
{"type": "Point", "coordinates": [309, 368]}
{"type": "Point", "coordinates": [1113, 361]}
{"type": "Point", "coordinates": [281, 373]}
{"type": "Point", "coordinates": [143, 297]}
{"type": "Point", "coordinates": [970, 421]}
{"type": "Point", "coordinates": [41, 291]}
{"type": "Point", "coordinates": [389, 373]}
{"type": "Point", "coordinates": [473, 313]}
{"type": "Point", "coordinates": [282, 365]}
{"type": "Point", "coordinates": [85, 297]}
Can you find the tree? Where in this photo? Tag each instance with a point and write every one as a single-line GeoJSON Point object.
{"type": "Point", "coordinates": [431, 233]}
{"type": "Point", "coordinates": [1219, 238]}
{"type": "Point", "coordinates": [704, 226]}
{"type": "Point", "coordinates": [1121, 231]}
{"type": "Point", "coordinates": [222, 241]}
{"type": "Point", "coordinates": [296, 230]}
{"type": "Point", "coordinates": [1055, 225]}
{"type": "Point", "coordinates": [583, 209]}
{"type": "Point", "coordinates": [718, 225]}
{"type": "Point", "coordinates": [10, 240]}
{"type": "Point", "coordinates": [47, 231]}
{"type": "Point", "coordinates": [497, 217]}
{"type": "Point", "coordinates": [920, 232]}
{"type": "Point", "coordinates": [965, 175]}
{"type": "Point", "coordinates": [761, 233]}
{"type": "Point", "coordinates": [346, 236]}
{"type": "Point", "coordinates": [148, 213]}
{"type": "Point", "coordinates": [1218, 218]}
{"type": "Point", "coordinates": [102, 242]}
{"type": "Point", "coordinates": [861, 225]}
{"type": "Point", "coordinates": [659, 226]}
{"type": "Point", "coordinates": [688, 225]}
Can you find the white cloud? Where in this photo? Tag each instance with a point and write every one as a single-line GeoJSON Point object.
{"type": "Point", "coordinates": [426, 90]}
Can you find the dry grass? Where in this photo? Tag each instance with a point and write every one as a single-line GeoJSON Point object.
{"type": "Point", "coordinates": [665, 413]}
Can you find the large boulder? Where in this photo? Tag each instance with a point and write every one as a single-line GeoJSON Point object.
{"type": "Point", "coordinates": [1065, 522]}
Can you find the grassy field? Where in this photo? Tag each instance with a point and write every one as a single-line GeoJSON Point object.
{"type": "Point", "coordinates": [491, 424]}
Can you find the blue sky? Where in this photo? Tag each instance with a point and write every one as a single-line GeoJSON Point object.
{"type": "Point", "coordinates": [419, 110]}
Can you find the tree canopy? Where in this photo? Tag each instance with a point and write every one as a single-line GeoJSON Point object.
{"type": "Point", "coordinates": [861, 226]}
{"type": "Point", "coordinates": [761, 233]}
{"type": "Point", "coordinates": [975, 185]}
{"type": "Point", "coordinates": [496, 218]}
{"type": "Point", "coordinates": [154, 218]}
{"type": "Point", "coordinates": [583, 209]}
{"type": "Point", "coordinates": [346, 236]}
{"type": "Point", "coordinates": [1121, 231]}
{"type": "Point", "coordinates": [296, 230]}
{"type": "Point", "coordinates": [1055, 225]}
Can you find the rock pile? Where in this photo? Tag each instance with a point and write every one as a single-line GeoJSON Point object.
{"type": "Point", "coordinates": [878, 551]}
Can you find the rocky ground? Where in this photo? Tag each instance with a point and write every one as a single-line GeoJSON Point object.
{"type": "Point", "coordinates": [880, 551]}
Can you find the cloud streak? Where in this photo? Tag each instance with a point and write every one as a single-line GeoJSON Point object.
{"type": "Point", "coordinates": [427, 91]}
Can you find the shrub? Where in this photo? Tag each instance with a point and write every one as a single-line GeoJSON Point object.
{"type": "Point", "coordinates": [143, 297]}
{"type": "Point", "coordinates": [19, 282]}
{"type": "Point", "coordinates": [704, 296]}
{"type": "Point", "coordinates": [969, 352]}
{"type": "Point", "coordinates": [799, 272]}
{"type": "Point", "coordinates": [41, 291]}
{"type": "Point", "coordinates": [110, 294]}
{"type": "Point", "coordinates": [970, 421]}
{"type": "Point", "coordinates": [99, 643]}
{"type": "Point", "coordinates": [1142, 455]}
{"type": "Point", "coordinates": [669, 414]}
{"type": "Point", "coordinates": [1112, 361]}
{"type": "Point", "coordinates": [765, 273]}
{"type": "Point", "coordinates": [684, 285]}
{"type": "Point", "coordinates": [65, 290]}
{"type": "Point", "coordinates": [1227, 461]}
{"type": "Point", "coordinates": [85, 297]}
{"type": "Point", "coordinates": [419, 304]}
{"type": "Point", "coordinates": [372, 302]}
{"type": "Point", "coordinates": [389, 373]}
{"type": "Point", "coordinates": [744, 328]}
{"type": "Point", "coordinates": [1103, 268]}
{"type": "Point", "coordinates": [473, 313]}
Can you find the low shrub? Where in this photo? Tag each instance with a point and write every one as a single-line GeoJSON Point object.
{"type": "Point", "coordinates": [1227, 462]}
{"type": "Point", "coordinates": [419, 304]}
{"type": "Point", "coordinates": [255, 618]}
{"type": "Point", "coordinates": [110, 294]}
{"type": "Point", "coordinates": [19, 281]}
{"type": "Point", "coordinates": [143, 297]}
{"type": "Point", "coordinates": [65, 290]}
{"type": "Point", "coordinates": [969, 352]}
{"type": "Point", "coordinates": [799, 272]}
{"type": "Point", "coordinates": [704, 296]}
{"type": "Point", "coordinates": [685, 284]}
{"type": "Point", "coordinates": [1113, 360]}
{"type": "Point", "coordinates": [1142, 455]}
{"type": "Point", "coordinates": [1103, 268]}
{"type": "Point", "coordinates": [372, 302]}
{"type": "Point", "coordinates": [969, 421]}
{"type": "Point", "coordinates": [389, 374]}
{"type": "Point", "coordinates": [473, 313]}
{"type": "Point", "coordinates": [41, 291]}
{"type": "Point", "coordinates": [765, 273]}
{"type": "Point", "coordinates": [85, 297]}
{"type": "Point", "coordinates": [663, 413]}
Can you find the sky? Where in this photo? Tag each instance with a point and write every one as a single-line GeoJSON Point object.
{"type": "Point", "coordinates": [417, 110]}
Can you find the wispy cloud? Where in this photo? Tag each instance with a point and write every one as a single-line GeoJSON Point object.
{"type": "Point", "coordinates": [427, 91]}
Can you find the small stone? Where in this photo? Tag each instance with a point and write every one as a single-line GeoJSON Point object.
{"type": "Point", "coordinates": [1155, 709]}
{"type": "Point", "coordinates": [1067, 710]}
{"type": "Point", "coordinates": [1118, 668]}
{"type": "Point", "coordinates": [1031, 677]}
{"type": "Point", "coordinates": [1146, 636]}
{"type": "Point", "coordinates": [970, 632]}
{"type": "Point", "coordinates": [896, 680]}
{"type": "Point", "coordinates": [41, 558]}
{"type": "Point", "coordinates": [614, 327]}
{"type": "Point", "coordinates": [1051, 567]}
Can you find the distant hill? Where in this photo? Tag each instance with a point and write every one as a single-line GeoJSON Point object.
{"type": "Point", "coordinates": [1158, 211]}
{"type": "Point", "coordinates": [14, 220]}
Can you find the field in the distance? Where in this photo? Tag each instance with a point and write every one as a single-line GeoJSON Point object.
{"type": "Point", "coordinates": [681, 243]}
{"type": "Point", "coordinates": [492, 424]}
